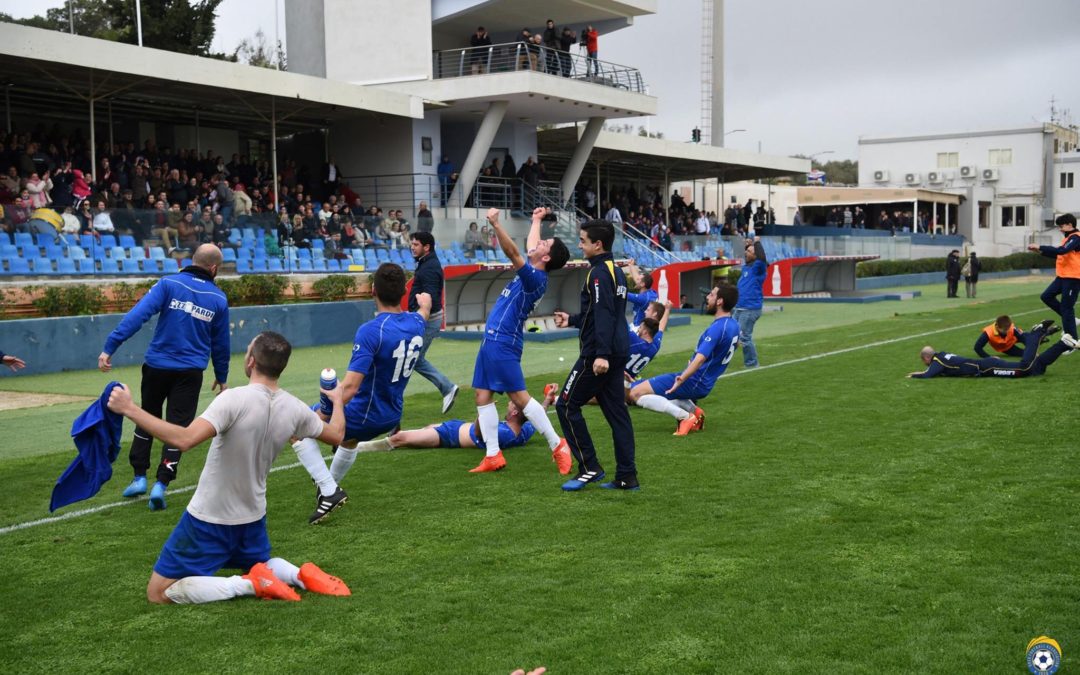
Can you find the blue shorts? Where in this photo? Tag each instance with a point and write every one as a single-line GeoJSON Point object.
{"type": "Point", "coordinates": [661, 383]}
{"type": "Point", "coordinates": [364, 431]}
{"type": "Point", "coordinates": [449, 433]}
{"type": "Point", "coordinates": [199, 549]}
{"type": "Point", "coordinates": [498, 368]}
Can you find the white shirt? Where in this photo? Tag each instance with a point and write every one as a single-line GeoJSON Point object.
{"type": "Point", "coordinates": [253, 423]}
{"type": "Point", "coordinates": [702, 225]}
{"type": "Point", "coordinates": [613, 215]}
{"type": "Point", "coordinates": [71, 223]}
{"type": "Point", "coordinates": [103, 222]}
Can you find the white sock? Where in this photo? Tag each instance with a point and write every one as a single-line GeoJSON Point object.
{"type": "Point", "coordinates": [489, 427]}
{"type": "Point", "coordinates": [380, 445]}
{"type": "Point", "coordinates": [686, 404]}
{"type": "Point", "coordinates": [307, 451]}
{"type": "Point", "coordinates": [660, 404]}
{"type": "Point", "coordinates": [343, 461]}
{"type": "Point", "coordinates": [535, 413]}
{"type": "Point", "coordinates": [198, 590]}
{"type": "Point", "coordinates": [286, 571]}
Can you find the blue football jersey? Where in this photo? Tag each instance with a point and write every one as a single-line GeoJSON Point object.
{"type": "Point", "coordinates": [506, 322]}
{"type": "Point", "coordinates": [507, 438]}
{"type": "Point", "coordinates": [640, 302]}
{"type": "Point", "coordinates": [385, 350]}
{"type": "Point", "coordinates": [641, 352]}
{"type": "Point", "coordinates": [717, 344]}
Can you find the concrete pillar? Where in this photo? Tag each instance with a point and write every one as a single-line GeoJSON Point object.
{"type": "Point", "coordinates": [478, 152]}
{"type": "Point", "coordinates": [93, 144]}
{"type": "Point", "coordinates": [580, 156]}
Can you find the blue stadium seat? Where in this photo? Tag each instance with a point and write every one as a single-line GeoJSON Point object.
{"type": "Point", "coordinates": [43, 266]}
{"type": "Point", "coordinates": [136, 253]}
{"type": "Point", "coordinates": [129, 267]}
{"type": "Point", "coordinates": [319, 264]}
{"type": "Point", "coordinates": [318, 243]}
{"type": "Point", "coordinates": [184, 262]}
{"type": "Point", "coordinates": [228, 255]}
{"type": "Point", "coordinates": [259, 265]}
{"type": "Point", "coordinates": [4, 238]}
{"type": "Point", "coordinates": [8, 250]}
{"type": "Point", "coordinates": [108, 240]}
{"type": "Point", "coordinates": [87, 241]}
{"type": "Point", "coordinates": [43, 239]}
{"type": "Point", "coordinates": [127, 241]}
{"type": "Point", "coordinates": [18, 266]}
{"type": "Point", "coordinates": [110, 266]}
{"type": "Point", "coordinates": [274, 265]}
{"type": "Point", "coordinates": [169, 266]}
{"type": "Point", "coordinates": [259, 253]}
{"type": "Point", "coordinates": [305, 265]}
{"type": "Point", "coordinates": [247, 233]}
{"type": "Point", "coordinates": [243, 265]}
{"type": "Point", "coordinates": [85, 265]}
{"type": "Point", "coordinates": [318, 254]}
{"type": "Point", "coordinates": [304, 254]}
{"type": "Point", "coordinates": [157, 253]}
{"type": "Point", "coordinates": [117, 252]}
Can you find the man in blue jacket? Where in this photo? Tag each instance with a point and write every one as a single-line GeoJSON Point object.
{"type": "Point", "coordinates": [751, 302]}
{"type": "Point", "coordinates": [598, 371]}
{"type": "Point", "coordinates": [192, 328]}
{"type": "Point", "coordinates": [428, 278]}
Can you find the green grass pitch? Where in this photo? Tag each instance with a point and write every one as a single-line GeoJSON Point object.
{"type": "Point", "coordinates": [832, 517]}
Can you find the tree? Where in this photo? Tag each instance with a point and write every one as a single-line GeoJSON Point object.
{"type": "Point", "coordinates": [642, 131]}
{"type": "Point", "coordinates": [256, 52]}
{"type": "Point", "coordinates": [184, 26]}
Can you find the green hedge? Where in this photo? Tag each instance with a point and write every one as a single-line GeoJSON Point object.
{"type": "Point", "coordinates": [888, 268]}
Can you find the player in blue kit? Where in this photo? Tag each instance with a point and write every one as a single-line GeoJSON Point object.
{"type": "Point", "coordinates": [514, 431]}
{"type": "Point", "coordinates": [640, 301]}
{"type": "Point", "coordinates": [385, 351]}
{"type": "Point", "coordinates": [498, 363]}
{"type": "Point", "coordinates": [676, 394]}
{"type": "Point", "coordinates": [646, 340]}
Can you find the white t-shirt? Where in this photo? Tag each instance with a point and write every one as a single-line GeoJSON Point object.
{"type": "Point", "coordinates": [253, 424]}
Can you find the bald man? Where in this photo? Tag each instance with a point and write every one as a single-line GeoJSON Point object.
{"type": "Point", "coordinates": [945, 364]}
{"type": "Point", "coordinates": [192, 329]}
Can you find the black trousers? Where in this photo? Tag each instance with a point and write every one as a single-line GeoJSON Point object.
{"type": "Point", "coordinates": [180, 388]}
{"type": "Point", "coordinates": [953, 285]}
{"type": "Point", "coordinates": [608, 389]}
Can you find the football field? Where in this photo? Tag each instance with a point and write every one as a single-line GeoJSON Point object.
{"type": "Point", "coordinates": [833, 516]}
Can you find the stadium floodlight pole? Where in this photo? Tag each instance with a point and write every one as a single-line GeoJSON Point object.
{"type": "Point", "coordinates": [71, 16]}
{"type": "Point", "coordinates": [138, 19]}
{"type": "Point", "coordinates": [273, 152]}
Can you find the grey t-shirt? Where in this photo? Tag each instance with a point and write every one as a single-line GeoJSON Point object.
{"type": "Point", "coordinates": [253, 424]}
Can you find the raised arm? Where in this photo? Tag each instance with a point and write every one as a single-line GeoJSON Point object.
{"type": "Point", "coordinates": [534, 230]}
{"type": "Point", "coordinates": [423, 302]}
{"type": "Point", "coordinates": [507, 244]}
{"type": "Point", "coordinates": [667, 315]}
{"type": "Point", "coordinates": [184, 438]}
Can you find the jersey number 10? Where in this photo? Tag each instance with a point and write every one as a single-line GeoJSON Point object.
{"type": "Point", "coordinates": [405, 358]}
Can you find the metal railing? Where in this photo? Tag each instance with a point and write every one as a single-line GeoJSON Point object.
{"type": "Point", "coordinates": [515, 56]}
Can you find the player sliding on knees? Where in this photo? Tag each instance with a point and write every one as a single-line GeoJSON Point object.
{"type": "Point", "coordinates": [498, 363]}
{"type": "Point", "coordinates": [644, 342]}
{"type": "Point", "coordinates": [225, 522]}
{"type": "Point", "coordinates": [513, 432]}
{"type": "Point", "coordinates": [385, 351]}
{"type": "Point", "coordinates": [676, 394]}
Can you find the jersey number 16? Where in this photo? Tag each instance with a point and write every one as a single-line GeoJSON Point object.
{"type": "Point", "coordinates": [405, 358]}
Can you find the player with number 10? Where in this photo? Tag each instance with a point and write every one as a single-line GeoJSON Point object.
{"type": "Point", "coordinates": [384, 353]}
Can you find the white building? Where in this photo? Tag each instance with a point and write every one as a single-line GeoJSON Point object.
{"type": "Point", "coordinates": [1067, 187]}
{"type": "Point", "coordinates": [1008, 178]}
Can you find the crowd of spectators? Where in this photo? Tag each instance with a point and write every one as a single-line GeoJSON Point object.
{"type": "Point", "coordinates": [184, 198]}
{"type": "Point", "coordinates": [546, 50]}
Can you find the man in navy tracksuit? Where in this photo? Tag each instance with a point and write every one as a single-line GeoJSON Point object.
{"type": "Point", "coordinates": [598, 372]}
{"type": "Point", "coordinates": [944, 364]}
{"type": "Point", "coordinates": [192, 327]}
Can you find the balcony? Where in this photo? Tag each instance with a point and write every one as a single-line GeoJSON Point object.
{"type": "Point", "coordinates": [520, 57]}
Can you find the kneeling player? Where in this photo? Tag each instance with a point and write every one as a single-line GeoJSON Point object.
{"type": "Point", "coordinates": [384, 353]}
{"type": "Point", "coordinates": [225, 522]}
{"type": "Point", "coordinates": [945, 364]}
{"type": "Point", "coordinates": [676, 394]}
{"type": "Point", "coordinates": [515, 431]}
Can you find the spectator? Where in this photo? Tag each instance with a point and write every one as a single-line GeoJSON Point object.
{"type": "Point", "coordinates": [478, 56]}
{"type": "Point", "coordinates": [524, 43]}
{"type": "Point", "coordinates": [567, 40]}
{"type": "Point", "coordinates": [241, 203]}
{"type": "Point", "coordinates": [613, 216]}
{"type": "Point", "coordinates": [39, 190]}
{"type": "Point", "coordinates": [187, 235]}
{"type": "Point", "coordinates": [952, 273]}
{"type": "Point", "coordinates": [163, 228]}
{"type": "Point", "coordinates": [299, 232]}
{"type": "Point", "coordinates": [444, 171]}
{"type": "Point", "coordinates": [551, 42]}
{"type": "Point", "coordinates": [474, 239]}
{"type": "Point", "coordinates": [10, 182]}
{"type": "Point", "coordinates": [219, 231]}
{"type": "Point", "coordinates": [970, 271]}
{"type": "Point", "coordinates": [425, 222]}
{"type": "Point", "coordinates": [71, 222]}
{"type": "Point", "coordinates": [701, 225]}
{"type": "Point", "coordinates": [592, 50]}
{"type": "Point", "coordinates": [102, 220]}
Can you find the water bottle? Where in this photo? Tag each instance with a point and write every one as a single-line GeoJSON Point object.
{"type": "Point", "coordinates": [328, 380]}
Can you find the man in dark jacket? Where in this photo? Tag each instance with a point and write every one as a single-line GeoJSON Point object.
{"type": "Point", "coordinates": [478, 57]}
{"type": "Point", "coordinates": [970, 270]}
{"type": "Point", "coordinates": [598, 372]}
{"type": "Point", "coordinates": [428, 278]}
{"type": "Point", "coordinates": [192, 329]}
{"type": "Point", "coordinates": [952, 273]}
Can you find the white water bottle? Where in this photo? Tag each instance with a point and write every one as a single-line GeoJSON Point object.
{"type": "Point", "coordinates": [775, 280]}
{"type": "Point", "coordinates": [662, 286]}
{"type": "Point", "coordinates": [328, 381]}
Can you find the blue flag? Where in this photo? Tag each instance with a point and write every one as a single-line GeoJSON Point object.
{"type": "Point", "coordinates": [97, 437]}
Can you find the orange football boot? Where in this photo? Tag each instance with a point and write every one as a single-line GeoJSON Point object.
{"type": "Point", "coordinates": [269, 587]}
{"type": "Point", "coordinates": [317, 581]}
{"type": "Point", "coordinates": [493, 463]}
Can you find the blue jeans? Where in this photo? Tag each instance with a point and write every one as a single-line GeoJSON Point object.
{"type": "Point", "coordinates": [746, 319]}
{"type": "Point", "coordinates": [423, 366]}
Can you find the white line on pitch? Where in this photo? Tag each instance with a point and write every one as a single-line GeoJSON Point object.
{"type": "Point", "coordinates": [190, 488]}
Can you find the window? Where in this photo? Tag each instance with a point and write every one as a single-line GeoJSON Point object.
{"type": "Point", "coordinates": [948, 160]}
{"type": "Point", "coordinates": [1013, 216]}
{"type": "Point", "coordinates": [1066, 181]}
{"type": "Point", "coordinates": [984, 215]}
{"type": "Point", "coordinates": [1001, 157]}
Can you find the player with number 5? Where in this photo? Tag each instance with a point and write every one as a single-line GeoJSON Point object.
{"type": "Point", "coordinates": [384, 353]}
{"type": "Point", "coordinates": [676, 394]}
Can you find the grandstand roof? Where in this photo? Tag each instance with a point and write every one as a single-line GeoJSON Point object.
{"type": "Point", "coordinates": [629, 157]}
{"type": "Point", "coordinates": [44, 68]}
{"type": "Point", "coordinates": [507, 18]}
{"type": "Point", "coordinates": [839, 196]}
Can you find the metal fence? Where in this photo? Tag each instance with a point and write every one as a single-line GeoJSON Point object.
{"type": "Point", "coordinates": [514, 56]}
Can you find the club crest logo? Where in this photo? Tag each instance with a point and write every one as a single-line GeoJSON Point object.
{"type": "Point", "coordinates": [1043, 655]}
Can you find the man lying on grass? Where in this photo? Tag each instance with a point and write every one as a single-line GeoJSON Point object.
{"type": "Point", "coordinates": [224, 525]}
{"type": "Point", "coordinates": [950, 365]}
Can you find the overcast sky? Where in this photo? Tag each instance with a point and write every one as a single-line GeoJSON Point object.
{"type": "Point", "coordinates": [806, 77]}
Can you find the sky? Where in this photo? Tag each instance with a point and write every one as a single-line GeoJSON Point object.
{"type": "Point", "coordinates": [811, 78]}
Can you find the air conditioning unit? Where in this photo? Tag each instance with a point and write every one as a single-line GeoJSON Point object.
{"type": "Point", "coordinates": [968, 172]}
{"type": "Point", "coordinates": [989, 174]}
{"type": "Point", "coordinates": [881, 176]}
{"type": "Point", "coordinates": [912, 178]}
{"type": "Point", "coordinates": [936, 177]}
